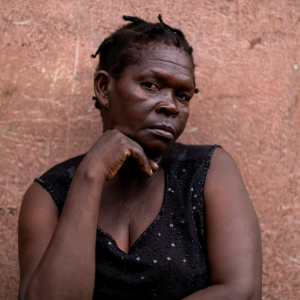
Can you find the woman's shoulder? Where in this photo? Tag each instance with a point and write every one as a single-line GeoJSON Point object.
{"type": "Point", "coordinates": [67, 167]}
{"type": "Point", "coordinates": [56, 181]}
{"type": "Point", "coordinates": [182, 152]}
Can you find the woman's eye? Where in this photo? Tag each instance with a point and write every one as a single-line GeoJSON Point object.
{"type": "Point", "coordinates": [182, 96]}
{"type": "Point", "coordinates": [150, 85]}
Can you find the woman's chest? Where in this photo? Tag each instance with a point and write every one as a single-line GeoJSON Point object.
{"type": "Point", "coordinates": [167, 261]}
{"type": "Point", "coordinates": [125, 213]}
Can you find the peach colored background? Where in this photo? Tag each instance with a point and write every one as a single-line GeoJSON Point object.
{"type": "Point", "coordinates": [247, 54]}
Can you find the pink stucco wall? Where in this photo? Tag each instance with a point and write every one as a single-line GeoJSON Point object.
{"type": "Point", "coordinates": [247, 54]}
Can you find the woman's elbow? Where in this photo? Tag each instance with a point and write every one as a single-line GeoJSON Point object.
{"type": "Point", "coordinates": [247, 290]}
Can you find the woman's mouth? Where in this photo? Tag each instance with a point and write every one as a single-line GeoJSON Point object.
{"type": "Point", "coordinates": [163, 131]}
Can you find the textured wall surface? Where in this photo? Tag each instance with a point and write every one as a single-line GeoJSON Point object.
{"type": "Point", "coordinates": [247, 54]}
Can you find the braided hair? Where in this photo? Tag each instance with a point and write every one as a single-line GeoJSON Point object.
{"type": "Point", "coordinates": [120, 49]}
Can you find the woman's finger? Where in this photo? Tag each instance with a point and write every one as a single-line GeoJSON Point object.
{"type": "Point", "coordinates": [142, 160]}
{"type": "Point", "coordinates": [153, 164]}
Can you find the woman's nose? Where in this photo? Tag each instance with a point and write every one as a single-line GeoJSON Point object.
{"type": "Point", "coordinates": [168, 105]}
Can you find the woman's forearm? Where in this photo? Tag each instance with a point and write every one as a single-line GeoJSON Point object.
{"type": "Point", "coordinates": [67, 269]}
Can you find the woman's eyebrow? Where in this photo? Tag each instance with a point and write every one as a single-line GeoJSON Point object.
{"type": "Point", "coordinates": [185, 84]}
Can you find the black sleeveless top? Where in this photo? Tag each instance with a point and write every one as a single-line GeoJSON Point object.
{"type": "Point", "coordinates": [168, 261]}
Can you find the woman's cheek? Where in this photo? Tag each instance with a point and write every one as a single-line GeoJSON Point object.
{"type": "Point", "coordinates": [185, 115]}
{"type": "Point", "coordinates": [184, 119]}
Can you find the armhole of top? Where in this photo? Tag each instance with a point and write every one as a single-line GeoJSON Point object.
{"type": "Point", "coordinates": [56, 181]}
{"type": "Point", "coordinates": [207, 165]}
{"type": "Point", "coordinates": [48, 187]}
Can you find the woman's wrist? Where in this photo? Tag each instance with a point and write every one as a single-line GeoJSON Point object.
{"type": "Point", "coordinates": [90, 172]}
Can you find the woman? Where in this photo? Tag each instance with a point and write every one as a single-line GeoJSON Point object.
{"type": "Point", "coordinates": [168, 221]}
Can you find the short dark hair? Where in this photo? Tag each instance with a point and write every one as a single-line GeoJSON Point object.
{"type": "Point", "coordinates": [120, 49]}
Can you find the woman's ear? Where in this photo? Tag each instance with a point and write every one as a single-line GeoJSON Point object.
{"type": "Point", "coordinates": [102, 87]}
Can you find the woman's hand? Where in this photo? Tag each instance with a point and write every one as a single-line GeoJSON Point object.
{"type": "Point", "coordinates": [109, 154]}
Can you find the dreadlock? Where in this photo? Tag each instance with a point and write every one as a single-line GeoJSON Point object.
{"type": "Point", "coordinates": [120, 49]}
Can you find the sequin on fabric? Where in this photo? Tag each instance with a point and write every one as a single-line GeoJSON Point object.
{"type": "Point", "coordinates": [168, 260]}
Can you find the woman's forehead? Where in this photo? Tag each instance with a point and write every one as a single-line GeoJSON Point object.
{"type": "Point", "coordinates": [165, 53]}
{"type": "Point", "coordinates": [165, 58]}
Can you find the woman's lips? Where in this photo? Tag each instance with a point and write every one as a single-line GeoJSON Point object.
{"type": "Point", "coordinates": [163, 133]}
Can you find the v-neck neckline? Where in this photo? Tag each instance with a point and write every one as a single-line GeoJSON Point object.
{"type": "Point", "coordinates": [158, 217]}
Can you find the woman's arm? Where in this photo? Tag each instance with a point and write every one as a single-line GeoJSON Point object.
{"type": "Point", "coordinates": [57, 255]}
{"type": "Point", "coordinates": [232, 235]}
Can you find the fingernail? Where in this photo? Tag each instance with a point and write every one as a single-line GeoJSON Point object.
{"type": "Point", "coordinates": [151, 172]}
{"type": "Point", "coordinates": [156, 165]}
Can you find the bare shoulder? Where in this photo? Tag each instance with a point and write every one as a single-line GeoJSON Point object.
{"type": "Point", "coordinates": [223, 174]}
{"type": "Point", "coordinates": [37, 203]}
{"type": "Point", "coordinates": [225, 194]}
{"type": "Point", "coordinates": [222, 161]}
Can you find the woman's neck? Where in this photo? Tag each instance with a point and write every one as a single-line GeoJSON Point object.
{"type": "Point", "coordinates": [133, 177]}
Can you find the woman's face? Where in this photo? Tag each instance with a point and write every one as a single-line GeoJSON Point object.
{"type": "Point", "coordinates": [150, 101]}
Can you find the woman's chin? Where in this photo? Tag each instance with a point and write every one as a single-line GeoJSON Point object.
{"type": "Point", "coordinates": [155, 146]}
{"type": "Point", "coordinates": [157, 149]}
